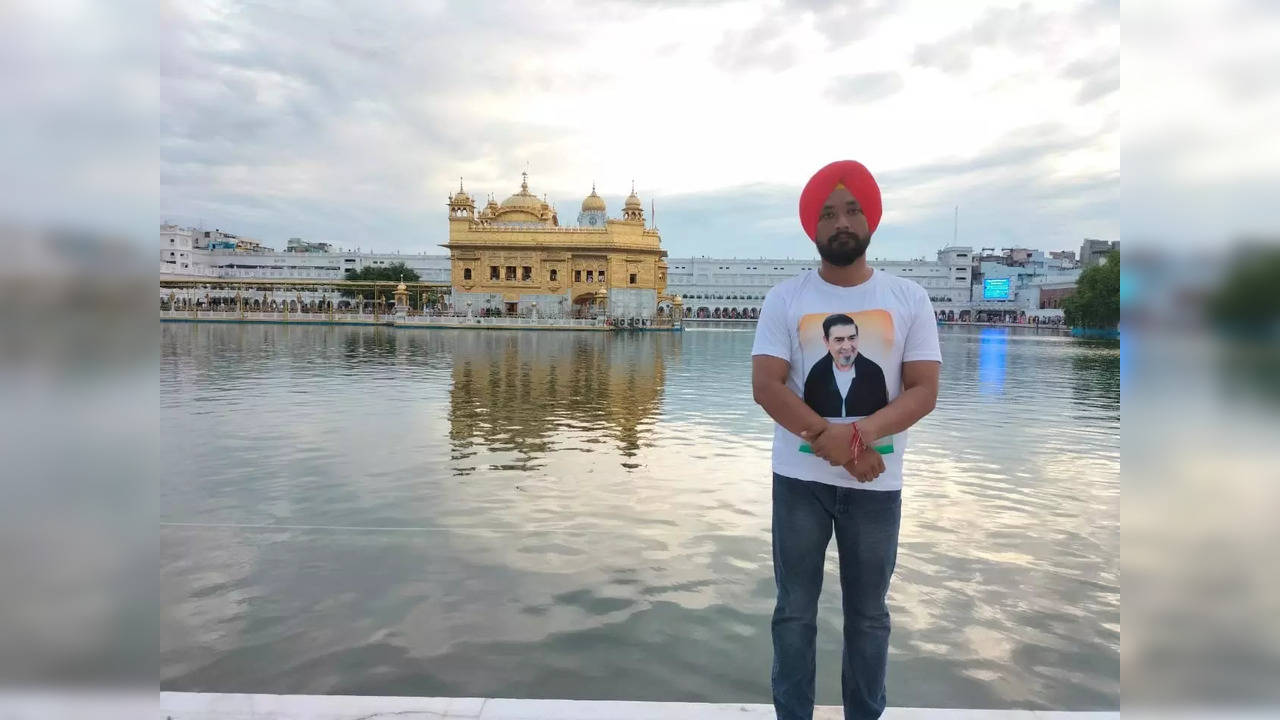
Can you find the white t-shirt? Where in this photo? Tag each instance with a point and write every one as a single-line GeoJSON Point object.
{"type": "Point", "coordinates": [844, 381]}
{"type": "Point", "coordinates": [895, 323]}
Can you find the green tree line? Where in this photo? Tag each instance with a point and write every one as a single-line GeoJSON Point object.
{"type": "Point", "coordinates": [1096, 302]}
{"type": "Point", "coordinates": [395, 272]}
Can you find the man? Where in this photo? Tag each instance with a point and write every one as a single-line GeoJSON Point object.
{"type": "Point", "coordinates": [837, 467]}
{"type": "Point", "coordinates": [844, 383]}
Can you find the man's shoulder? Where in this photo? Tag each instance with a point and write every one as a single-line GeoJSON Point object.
{"type": "Point", "coordinates": [906, 291]}
{"type": "Point", "coordinates": [789, 287]}
{"type": "Point", "coordinates": [900, 283]}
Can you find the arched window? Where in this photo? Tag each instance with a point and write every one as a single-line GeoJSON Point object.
{"type": "Point", "coordinates": [466, 273]}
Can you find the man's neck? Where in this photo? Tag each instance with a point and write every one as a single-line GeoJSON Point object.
{"type": "Point", "coordinates": [847, 276]}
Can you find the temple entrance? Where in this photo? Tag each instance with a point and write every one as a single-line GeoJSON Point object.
{"type": "Point", "coordinates": [588, 304]}
{"type": "Point", "coordinates": [512, 308]}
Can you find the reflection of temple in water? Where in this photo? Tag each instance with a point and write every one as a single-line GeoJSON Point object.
{"type": "Point", "coordinates": [515, 391]}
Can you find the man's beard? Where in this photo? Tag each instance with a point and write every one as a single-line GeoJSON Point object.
{"type": "Point", "coordinates": [843, 248]}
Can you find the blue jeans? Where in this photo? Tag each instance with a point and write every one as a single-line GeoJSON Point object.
{"type": "Point", "coordinates": [866, 530]}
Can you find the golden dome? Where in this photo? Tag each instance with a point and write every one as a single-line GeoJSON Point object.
{"type": "Point", "coordinates": [593, 201]}
{"type": "Point", "coordinates": [633, 200]}
{"type": "Point", "coordinates": [401, 288]}
{"type": "Point", "coordinates": [523, 200]}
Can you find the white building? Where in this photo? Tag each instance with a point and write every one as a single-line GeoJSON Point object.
{"type": "Point", "coordinates": [299, 245]}
{"type": "Point", "coordinates": [1034, 272]}
{"type": "Point", "coordinates": [711, 287]}
{"type": "Point", "coordinates": [715, 288]}
{"type": "Point", "coordinates": [176, 245]}
{"type": "Point", "coordinates": [183, 257]}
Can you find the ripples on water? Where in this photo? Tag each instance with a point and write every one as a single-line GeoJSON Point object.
{"type": "Point", "coordinates": [576, 515]}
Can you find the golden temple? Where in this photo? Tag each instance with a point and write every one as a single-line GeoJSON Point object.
{"type": "Point", "coordinates": [514, 257]}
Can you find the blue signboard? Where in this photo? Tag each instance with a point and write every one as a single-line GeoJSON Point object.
{"type": "Point", "coordinates": [995, 289]}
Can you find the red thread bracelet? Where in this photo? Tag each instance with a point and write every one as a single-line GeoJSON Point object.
{"type": "Point", "coordinates": [856, 443]}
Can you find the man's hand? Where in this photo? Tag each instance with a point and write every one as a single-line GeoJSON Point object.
{"type": "Point", "coordinates": [868, 467]}
{"type": "Point", "coordinates": [832, 444]}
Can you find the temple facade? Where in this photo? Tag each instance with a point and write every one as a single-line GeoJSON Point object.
{"type": "Point", "coordinates": [515, 257]}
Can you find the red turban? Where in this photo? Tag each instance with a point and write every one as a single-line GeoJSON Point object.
{"type": "Point", "coordinates": [854, 176]}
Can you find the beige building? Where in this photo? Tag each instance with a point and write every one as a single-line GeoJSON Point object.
{"type": "Point", "coordinates": [516, 258]}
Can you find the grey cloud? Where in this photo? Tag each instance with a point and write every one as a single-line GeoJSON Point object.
{"type": "Point", "coordinates": [359, 104]}
{"type": "Point", "coordinates": [1006, 196]}
{"type": "Point", "coordinates": [842, 21]}
{"type": "Point", "coordinates": [1086, 68]}
{"type": "Point", "coordinates": [357, 121]}
{"type": "Point", "coordinates": [951, 55]}
{"type": "Point", "coordinates": [1098, 87]}
{"type": "Point", "coordinates": [1021, 28]}
{"type": "Point", "coordinates": [761, 46]}
{"type": "Point", "coordinates": [1100, 77]}
{"type": "Point", "coordinates": [864, 87]}
{"type": "Point", "coordinates": [1016, 151]}
{"type": "Point", "coordinates": [1006, 193]}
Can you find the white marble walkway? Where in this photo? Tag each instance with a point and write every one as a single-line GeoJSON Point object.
{"type": "Point", "coordinates": [217, 706]}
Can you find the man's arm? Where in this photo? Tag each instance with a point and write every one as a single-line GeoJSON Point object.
{"type": "Point", "coordinates": [769, 387]}
{"type": "Point", "coordinates": [918, 397]}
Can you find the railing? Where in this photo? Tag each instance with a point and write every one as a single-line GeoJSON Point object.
{"type": "Point", "coordinates": [511, 227]}
{"type": "Point", "coordinates": [382, 317]}
{"type": "Point", "coordinates": [278, 315]}
{"type": "Point", "coordinates": [500, 321]}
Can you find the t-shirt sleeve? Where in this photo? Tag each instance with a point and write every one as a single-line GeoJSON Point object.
{"type": "Point", "coordinates": [773, 331]}
{"type": "Point", "coordinates": [922, 334]}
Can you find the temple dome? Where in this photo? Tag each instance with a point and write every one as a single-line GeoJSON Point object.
{"type": "Point", "coordinates": [523, 200]}
{"type": "Point", "coordinates": [593, 202]}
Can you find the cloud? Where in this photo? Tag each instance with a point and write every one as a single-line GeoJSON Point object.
{"type": "Point", "coordinates": [268, 104]}
{"type": "Point", "coordinates": [842, 21]}
{"type": "Point", "coordinates": [349, 124]}
{"type": "Point", "coordinates": [1099, 87]}
{"type": "Point", "coordinates": [1099, 77]}
{"type": "Point", "coordinates": [763, 46]}
{"type": "Point", "coordinates": [775, 43]}
{"type": "Point", "coordinates": [1020, 29]}
{"type": "Point", "coordinates": [1020, 149]}
{"type": "Point", "coordinates": [864, 87]}
{"type": "Point", "coordinates": [1009, 195]}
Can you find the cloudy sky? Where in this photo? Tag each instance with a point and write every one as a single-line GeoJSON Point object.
{"type": "Point", "coordinates": [351, 122]}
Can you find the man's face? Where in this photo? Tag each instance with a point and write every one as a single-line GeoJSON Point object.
{"type": "Point", "coordinates": [843, 235]}
{"type": "Point", "coordinates": [842, 343]}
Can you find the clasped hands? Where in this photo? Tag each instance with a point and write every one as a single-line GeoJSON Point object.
{"type": "Point", "coordinates": [832, 442]}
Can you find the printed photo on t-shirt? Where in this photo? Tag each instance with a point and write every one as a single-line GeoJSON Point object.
{"type": "Point", "coordinates": [843, 355]}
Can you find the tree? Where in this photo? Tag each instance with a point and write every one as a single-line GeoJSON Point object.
{"type": "Point", "coordinates": [395, 272]}
{"type": "Point", "coordinates": [1096, 302]}
{"type": "Point", "coordinates": [1248, 298]}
